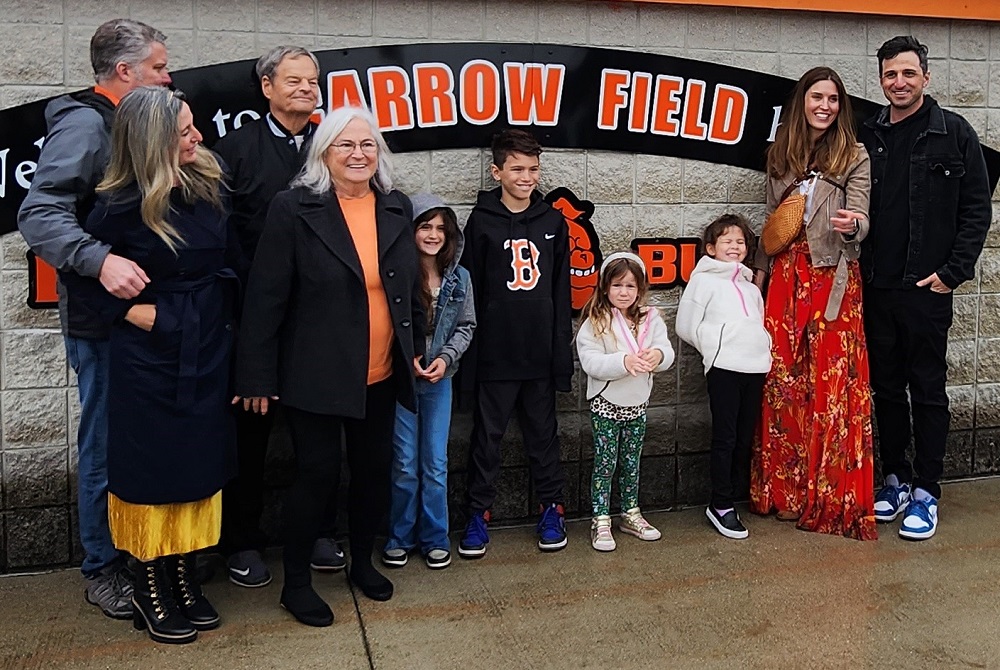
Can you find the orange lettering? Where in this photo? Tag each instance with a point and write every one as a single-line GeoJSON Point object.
{"type": "Point", "coordinates": [694, 127]}
{"type": "Point", "coordinates": [534, 93]}
{"type": "Point", "coordinates": [667, 104]}
{"type": "Point", "coordinates": [480, 94]}
{"type": "Point", "coordinates": [689, 258]}
{"type": "Point", "coordinates": [389, 87]}
{"type": "Point", "coordinates": [613, 98]}
{"type": "Point", "coordinates": [639, 112]}
{"type": "Point", "coordinates": [524, 261]}
{"type": "Point", "coordinates": [661, 262]}
{"type": "Point", "coordinates": [729, 111]}
{"type": "Point", "coordinates": [434, 86]}
{"type": "Point", "coordinates": [344, 89]}
{"type": "Point", "coordinates": [41, 283]}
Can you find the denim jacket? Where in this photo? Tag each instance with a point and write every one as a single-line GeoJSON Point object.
{"type": "Point", "coordinates": [454, 315]}
{"type": "Point", "coordinates": [950, 208]}
{"type": "Point", "coordinates": [454, 320]}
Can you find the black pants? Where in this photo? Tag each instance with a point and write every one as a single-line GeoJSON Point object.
{"type": "Point", "coordinates": [734, 398]}
{"type": "Point", "coordinates": [907, 332]}
{"type": "Point", "coordinates": [243, 497]}
{"type": "Point", "coordinates": [316, 439]}
{"type": "Point", "coordinates": [535, 401]}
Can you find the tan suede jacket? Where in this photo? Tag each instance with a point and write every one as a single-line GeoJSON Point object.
{"type": "Point", "coordinates": [827, 247]}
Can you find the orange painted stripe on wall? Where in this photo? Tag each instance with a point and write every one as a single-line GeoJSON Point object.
{"type": "Point", "coordinates": [985, 10]}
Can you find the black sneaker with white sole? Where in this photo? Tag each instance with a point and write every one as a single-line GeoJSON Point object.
{"type": "Point", "coordinates": [728, 524]}
{"type": "Point", "coordinates": [438, 558]}
{"type": "Point", "coordinates": [247, 569]}
{"type": "Point", "coordinates": [327, 556]}
{"type": "Point", "coordinates": [395, 558]}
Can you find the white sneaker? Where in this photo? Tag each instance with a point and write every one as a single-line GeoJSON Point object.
{"type": "Point", "coordinates": [920, 519]}
{"type": "Point", "coordinates": [601, 538]}
{"type": "Point", "coordinates": [633, 523]}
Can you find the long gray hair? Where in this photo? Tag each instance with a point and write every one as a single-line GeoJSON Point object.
{"type": "Point", "coordinates": [315, 175]}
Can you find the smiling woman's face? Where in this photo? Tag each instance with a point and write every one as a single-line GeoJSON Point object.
{"type": "Point", "coordinates": [352, 158]}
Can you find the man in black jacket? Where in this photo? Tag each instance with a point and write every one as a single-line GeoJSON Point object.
{"type": "Point", "coordinates": [930, 212]}
{"type": "Point", "coordinates": [262, 157]}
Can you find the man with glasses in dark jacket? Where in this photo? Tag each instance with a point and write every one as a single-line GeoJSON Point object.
{"type": "Point", "coordinates": [930, 212]}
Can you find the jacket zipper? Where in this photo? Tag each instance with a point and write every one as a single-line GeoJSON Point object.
{"type": "Point", "coordinates": [743, 302]}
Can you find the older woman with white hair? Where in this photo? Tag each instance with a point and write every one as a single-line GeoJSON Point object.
{"type": "Point", "coordinates": [331, 325]}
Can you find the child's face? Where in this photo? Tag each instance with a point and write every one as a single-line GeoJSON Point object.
{"type": "Point", "coordinates": [731, 247]}
{"type": "Point", "coordinates": [623, 291]}
{"type": "Point", "coordinates": [518, 176]}
{"type": "Point", "coordinates": [430, 236]}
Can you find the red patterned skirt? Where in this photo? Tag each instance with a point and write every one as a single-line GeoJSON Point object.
{"type": "Point", "coordinates": [813, 457]}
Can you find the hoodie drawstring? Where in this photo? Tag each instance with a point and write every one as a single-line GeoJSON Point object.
{"type": "Point", "coordinates": [743, 302]}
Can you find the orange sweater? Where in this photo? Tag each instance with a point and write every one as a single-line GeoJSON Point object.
{"type": "Point", "coordinates": [360, 216]}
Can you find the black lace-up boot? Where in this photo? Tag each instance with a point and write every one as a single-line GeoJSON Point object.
{"type": "Point", "coordinates": [192, 602]}
{"type": "Point", "coordinates": [154, 607]}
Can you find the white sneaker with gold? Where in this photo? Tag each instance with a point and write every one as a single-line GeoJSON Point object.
{"type": "Point", "coordinates": [601, 538]}
{"type": "Point", "coordinates": [633, 523]}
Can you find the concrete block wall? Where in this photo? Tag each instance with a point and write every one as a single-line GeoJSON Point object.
{"type": "Point", "coordinates": [43, 52]}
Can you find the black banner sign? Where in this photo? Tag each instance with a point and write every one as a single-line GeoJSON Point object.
{"type": "Point", "coordinates": [449, 96]}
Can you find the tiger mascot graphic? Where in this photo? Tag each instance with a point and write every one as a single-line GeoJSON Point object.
{"type": "Point", "coordinates": [584, 247]}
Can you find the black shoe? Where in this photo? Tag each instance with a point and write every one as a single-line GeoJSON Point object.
{"type": "Point", "coordinates": [727, 524]}
{"type": "Point", "coordinates": [327, 556]}
{"type": "Point", "coordinates": [371, 582]}
{"type": "Point", "coordinates": [306, 606]}
{"type": "Point", "coordinates": [154, 608]}
{"type": "Point", "coordinates": [190, 599]}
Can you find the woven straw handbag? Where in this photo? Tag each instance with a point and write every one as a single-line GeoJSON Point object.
{"type": "Point", "coordinates": [785, 223]}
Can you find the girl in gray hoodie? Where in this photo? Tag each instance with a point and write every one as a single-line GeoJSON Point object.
{"type": "Point", "coordinates": [418, 515]}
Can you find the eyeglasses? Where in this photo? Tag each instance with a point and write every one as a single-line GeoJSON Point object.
{"type": "Point", "coordinates": [368, 147]}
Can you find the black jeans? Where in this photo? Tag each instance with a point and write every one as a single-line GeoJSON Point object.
{"type": "Point", "coordinates": [535, 401]}
{"type": "Point", "coordinates": [316, 439]}
{"type": "Point", "coordinates": [243, 497]}
{"type": "Point", "coordinates": [734, 398]}
{"type": "Point", "coordinates": [907, 332]}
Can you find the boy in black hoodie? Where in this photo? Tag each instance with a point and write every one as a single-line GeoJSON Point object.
{"type": "Point", "coordinates": [517, 252]}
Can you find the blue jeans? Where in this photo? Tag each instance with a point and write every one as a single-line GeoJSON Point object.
{"type": "Point", "coordinates": [90, 359]}
{"type": "Point", "coordinates": [418, 514]}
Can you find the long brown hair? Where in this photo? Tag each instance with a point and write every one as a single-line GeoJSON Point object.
{"type": "Point", "coordinates": [144, 151]}
{"type": "Point", "coordinates": [444, 258]}
{"type": "Point", "coordinates": [598, 307]}
{"type": "Point", "coordinates": [794, 152]}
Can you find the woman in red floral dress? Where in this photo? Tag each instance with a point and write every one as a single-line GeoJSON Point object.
{"type": "Point", "coordinates": [814, 460]}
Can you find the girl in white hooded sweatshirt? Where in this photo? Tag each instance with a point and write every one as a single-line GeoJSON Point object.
{"type": "Point", "coordinates": [721, 314]}
{"type": "Point", "coordinates": [622, 342]}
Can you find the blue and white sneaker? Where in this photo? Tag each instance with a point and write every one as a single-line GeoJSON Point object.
{"type": "Point", "coordinates": [890, 501]}
{"type": "Point", "coordinates": [475, 538]}
{"type": "Point", "coordinates": [552, 528]}
{"type": "Point", "coordinates": [919, 519]}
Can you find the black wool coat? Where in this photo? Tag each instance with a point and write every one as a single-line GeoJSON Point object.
{"type": "Point", "coordinates": [304, 331]}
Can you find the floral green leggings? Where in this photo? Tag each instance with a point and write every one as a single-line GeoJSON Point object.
{"type": "Point", "coordinates": [618, 442]}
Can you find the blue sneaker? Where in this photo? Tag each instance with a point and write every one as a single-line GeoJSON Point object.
{"type": "Point", "coordinates": [890, 501]}
{"type": "Point", "coordinates": [552, 528]}
{"type": "Point", "coordinates": [919, 519]}
{"type": "Point", "coordinates": [475, 538]}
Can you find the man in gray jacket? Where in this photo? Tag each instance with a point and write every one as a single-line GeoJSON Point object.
{"type": "Point", "coordinates": [125, 54]}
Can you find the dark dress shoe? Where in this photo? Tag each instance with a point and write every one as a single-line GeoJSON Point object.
{"type": "Point", "coordinates": [305, 605]}
{"type": "Point", "coordinates": [371, 582]}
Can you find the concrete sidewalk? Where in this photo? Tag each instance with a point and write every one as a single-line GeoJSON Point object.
{"type": "Point", "coordinates": [782, 599]}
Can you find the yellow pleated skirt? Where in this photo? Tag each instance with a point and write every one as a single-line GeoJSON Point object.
{"type": "Point", "coordinates": [154, 531]}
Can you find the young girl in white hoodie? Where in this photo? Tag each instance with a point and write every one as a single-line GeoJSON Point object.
{"type": "Point", "coordinates": [721, 314]}
{"type": "Point", "coordinates": [621, 343]}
